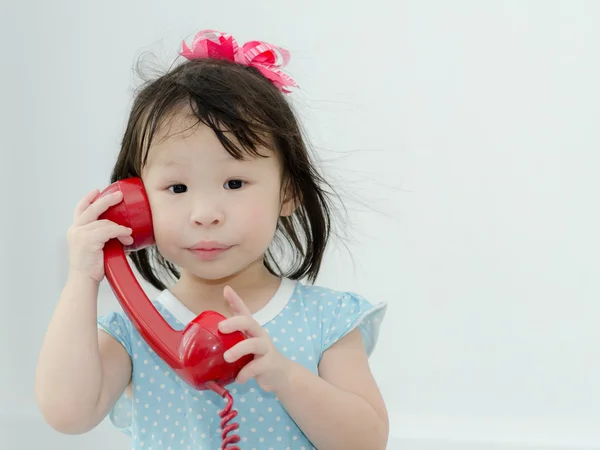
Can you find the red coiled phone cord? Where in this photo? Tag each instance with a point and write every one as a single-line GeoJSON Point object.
{"type": "Point", "coordinates": [227, 414]}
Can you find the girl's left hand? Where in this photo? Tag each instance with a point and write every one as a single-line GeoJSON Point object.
{"type": "Point", "coordinates": [269, 367]}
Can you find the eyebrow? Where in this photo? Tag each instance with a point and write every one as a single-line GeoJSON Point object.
{"type": "Point", "coordinates": [228, 159]}
{"type": "Point", "coordinates": [169, 163]}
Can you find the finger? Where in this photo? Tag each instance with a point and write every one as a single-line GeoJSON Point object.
{"type": "Point", "coordinates": [103, 223]}
{"type": "Point", "coordinates": [236, 302]}
{"type": "Point", "coordinates": [250, 370]}
{"type": "Point", "coordinates": [253, 346]}
{"type": "Point", "coordinates": [246, 324]}
{"type": "Point", "coordinates": [99, 206]}
{"type": "Point", "coordinates": [113, 231]}
{"type": "Point", "coordinates": [84, 203]}
{"type": "Point", "coordinates": [126, 240]}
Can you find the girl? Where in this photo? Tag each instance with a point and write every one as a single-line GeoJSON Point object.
{"type": "Point", "coordinates": [240, 215]}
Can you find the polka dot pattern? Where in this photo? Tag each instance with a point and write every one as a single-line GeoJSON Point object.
{"type": "Point", "coordinates": [163, 412]}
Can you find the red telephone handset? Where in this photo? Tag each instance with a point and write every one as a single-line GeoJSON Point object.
{"type": "Point", "coordinates": [194, 353]}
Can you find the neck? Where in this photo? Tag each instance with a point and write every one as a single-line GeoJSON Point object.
{"type": "Point", "coordinates": [255, 285]}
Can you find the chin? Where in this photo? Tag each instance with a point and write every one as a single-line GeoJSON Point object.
{"type": "Point", "coordinates": [214, 270]}
{"type": "Point", "coordinates": [211, 275]}
{"type": "Point", "coordinates": [218, 269]}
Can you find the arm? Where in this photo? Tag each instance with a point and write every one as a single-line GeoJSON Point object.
{"type": "Point", "coordinates": [339, 409]}
{"type": "Point", "coordinates": [342, 408]}
{"type": "Point", "coordinates": [81, 371]}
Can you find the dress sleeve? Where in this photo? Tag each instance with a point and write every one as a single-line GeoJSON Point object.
{"type": "Point", "coordinates": [119, 327]}
{"type": "Point", "coordinates": [348, 312]}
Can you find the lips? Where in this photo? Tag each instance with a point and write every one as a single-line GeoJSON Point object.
{"type": "Point", "coordinates": [209, 246]}
{"type": "Point", "coordinates": [209, 250]}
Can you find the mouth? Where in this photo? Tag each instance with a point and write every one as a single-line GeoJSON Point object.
{"type": "Point", "coordinates": [206, 246]}
{"type": "Point", "coordinates": [207, 251]}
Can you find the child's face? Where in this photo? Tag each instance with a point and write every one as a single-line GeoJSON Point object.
{"type": "Point", "coordinates": [202, 198]}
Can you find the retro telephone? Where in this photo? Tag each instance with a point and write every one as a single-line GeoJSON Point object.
{"type": "Point", "coordinates": [196, 352]}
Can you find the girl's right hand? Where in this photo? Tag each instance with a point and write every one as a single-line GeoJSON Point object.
{"type": "Point", "coordinates": [87, 235]}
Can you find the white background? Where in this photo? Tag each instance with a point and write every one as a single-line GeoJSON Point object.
{"type": "Point", "coordinates": [465, 137]}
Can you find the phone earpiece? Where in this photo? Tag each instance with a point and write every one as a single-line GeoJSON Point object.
{"type": "Point", "coordinates": [133, 212]}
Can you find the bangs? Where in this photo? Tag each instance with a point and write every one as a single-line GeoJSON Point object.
{"type": "Point", "coordinates": [242, 127]}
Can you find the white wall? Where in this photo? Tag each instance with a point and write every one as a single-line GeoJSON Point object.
{"type": "Point", "coordinates": [471, 127]}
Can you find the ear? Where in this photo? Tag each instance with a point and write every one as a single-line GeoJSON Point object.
{"type": "Point", "coordinates": [289, 203]}
{"type": "Point", "coordinates": [287, 208]}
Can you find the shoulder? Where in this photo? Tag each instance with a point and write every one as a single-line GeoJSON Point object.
{"type": "Point", "coordinates": [337, 313]}
{"type": "Point", "coordinates": [328, 299]}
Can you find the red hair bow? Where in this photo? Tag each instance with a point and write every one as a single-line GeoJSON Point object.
{"type": "Point", "coordinates": [265, 57]}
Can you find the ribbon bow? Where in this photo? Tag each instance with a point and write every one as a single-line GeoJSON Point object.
{"type": "Point", "coordinates": [265, 57]}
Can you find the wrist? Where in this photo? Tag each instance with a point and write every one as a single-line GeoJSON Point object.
{"type": "Point", "coordinates": [286, 382]}
{"type": "Point", "coordinates": [80, 281]}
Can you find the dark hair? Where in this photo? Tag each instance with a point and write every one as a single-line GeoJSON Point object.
{"type": "Point", "coordinates": [229, 97]}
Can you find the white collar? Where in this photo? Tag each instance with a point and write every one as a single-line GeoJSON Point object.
{"type": "Point", "coordinates": [264, 315]}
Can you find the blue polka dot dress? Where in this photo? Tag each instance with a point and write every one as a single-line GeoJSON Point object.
{"type": "Point", "coordinates": [164, 412]}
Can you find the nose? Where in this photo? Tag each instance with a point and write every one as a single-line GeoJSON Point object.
{"type": "Point", "coordinates": [207, 213]}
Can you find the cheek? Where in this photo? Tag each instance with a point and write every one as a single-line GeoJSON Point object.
{"type": "Point", "coordinates": [164, 225]}
{"type": "Point", "coordinates": [166, 235]}
{"type": "Point", "coordinates": [163, 221]}
{"type": "Point", "coordinates": [258, 218]}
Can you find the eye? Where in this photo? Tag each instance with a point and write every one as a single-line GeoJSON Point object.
{"type": "Point", "coordinates": [178, 188]}
{"type": "Point", "coordinates": [234, 184]}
